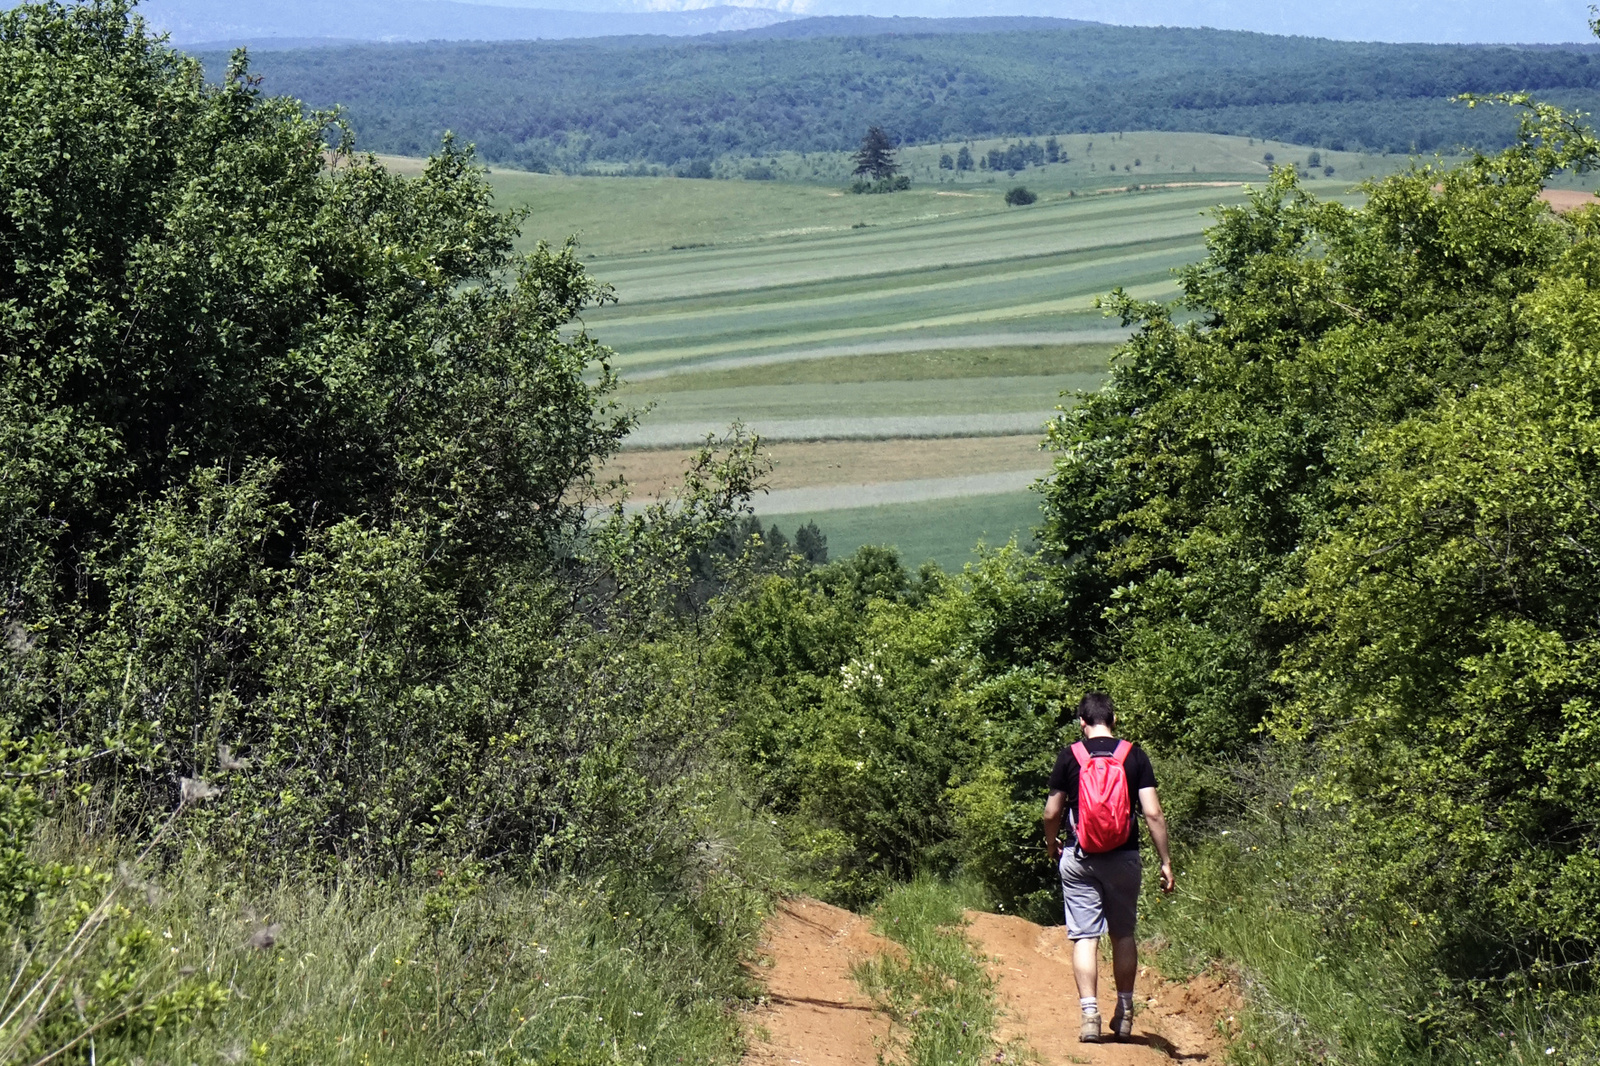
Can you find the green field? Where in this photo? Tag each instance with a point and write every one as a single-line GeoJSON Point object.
{"type": "Point", "coordinates": [810, 313]}
{"type": "Point", "coordinates": [1015, 273]}
{"type": "Point", "coordinates": [946, 531]}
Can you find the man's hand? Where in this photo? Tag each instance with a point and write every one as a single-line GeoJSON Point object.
{"type": "Point", "coordinates": [1054, 848]}
{"type": "Point", "coordinates": [1167, 881]}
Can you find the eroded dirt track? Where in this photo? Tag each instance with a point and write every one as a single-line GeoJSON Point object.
{"type": "Point", "coordinates": [1033, 967]}
{"type": "Point", "coordinates": [817, 1016]}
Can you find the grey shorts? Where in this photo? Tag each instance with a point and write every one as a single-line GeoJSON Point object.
{"type": "Point", "coordinates": [1101, 893]}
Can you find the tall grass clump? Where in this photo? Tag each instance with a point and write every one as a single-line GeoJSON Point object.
{"type": "Point", "coordinates": [939, 992]}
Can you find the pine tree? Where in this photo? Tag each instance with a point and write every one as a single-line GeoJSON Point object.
{"type": "Point", "coordinates": [812, 543]}
{"type": "Point", "coordinates": [875, 157]}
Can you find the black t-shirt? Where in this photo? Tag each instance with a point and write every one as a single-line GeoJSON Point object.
{"type": "Point", "coordinates": [1064, 778]}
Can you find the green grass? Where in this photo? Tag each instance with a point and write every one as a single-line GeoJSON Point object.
{"type": "Point", "coordinates": [459, 967]}
{"type": "Point", "coordinates": [945, 531]}
{"type": "Point", "coordinates": [940, 994]}
{"type": "Point", "coordinates": [1020, 360]}
{"type": "Point", "coordinates": [871, 399]}
{"type": "Point", "coordinates": [1323, 982]}
{"type": "Point", "coordinates": [1006, 272]}
{"type": "Point", "coordinates": [809, 313]}
{"type": "Point", "coordinates": [1140, 156]}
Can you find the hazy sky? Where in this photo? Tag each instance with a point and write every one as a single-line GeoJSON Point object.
{"type": "Point", "coordinates": [1482, 21]}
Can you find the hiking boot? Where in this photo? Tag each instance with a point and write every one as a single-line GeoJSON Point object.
{"type": "Point", "coordinates": [1122, 1024]}
{"type": "Point", "coordinates": [1090, 1032]}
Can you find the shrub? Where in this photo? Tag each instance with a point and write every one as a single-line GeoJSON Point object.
{"type": "Point", "coordinates": [898, 183]}
{"type": "Point", "coordinates": [900, 723]}
{"type": "Point", "coordinates": [1020, 196]}
{"type": "Point", "coordinates": [324, 505]}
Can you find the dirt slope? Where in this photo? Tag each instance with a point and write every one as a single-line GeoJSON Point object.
{"type": "Point", "coordinates": [1033, 967]}
{"type": "Point", "coordinates": [817, 1016]}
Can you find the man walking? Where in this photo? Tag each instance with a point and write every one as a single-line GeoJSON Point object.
{"type": "Point", "coordinates": [1096, 783]}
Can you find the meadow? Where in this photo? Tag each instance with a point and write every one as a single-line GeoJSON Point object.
{"type": "Point", "coordinates": [809, 313]}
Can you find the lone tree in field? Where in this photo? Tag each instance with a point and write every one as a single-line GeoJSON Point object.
{"type": "Point", "coordinates": [875, 157]}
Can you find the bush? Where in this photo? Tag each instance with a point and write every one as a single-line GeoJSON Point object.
{"type": "Point", "coordinates": [1020, 196]}
{"type": "Point", "coordinates": [323, 507]}
{"type": "Point", "coordinates": [899, 723]}
{"type": "Point", "coordinates": [758, 173]}
{"type": "Point", "coordinates": [698, 168]}
{"type": "Point", "coordinates": [898, 183]}
{"type": "Point", "coordinates": [1388, 578]}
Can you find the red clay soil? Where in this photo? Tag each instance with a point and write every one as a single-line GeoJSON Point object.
{"type": "Point", "coordinates": [817, 1016]}
{"type": "Point", "coordinates": [1039, 999]}
{"type": "Point", "coordinates": [1567, 199]}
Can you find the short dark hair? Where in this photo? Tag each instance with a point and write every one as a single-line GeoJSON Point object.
{"type": "Point", "coordinates": [1096, 708]}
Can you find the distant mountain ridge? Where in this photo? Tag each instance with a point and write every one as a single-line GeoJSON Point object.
{"type": "Point", "coordinates": [313, 23]}
{"type": "Point", "coordinates": [815, 84]}
{"type": "Point", "coordinates": [876, 26]}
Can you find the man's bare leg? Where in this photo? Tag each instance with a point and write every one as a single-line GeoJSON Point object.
{"type": "Point", "coordinates": [1124, 962]}
{"type": "Point", "coordinates": [1086, 967]}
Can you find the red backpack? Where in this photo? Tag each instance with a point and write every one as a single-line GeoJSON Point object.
{"type": "Point", "coordinates": [1105, 812]}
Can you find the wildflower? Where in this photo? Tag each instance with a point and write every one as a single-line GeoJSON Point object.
{"type": "Point", "coordinates": [193, 790]}
{"type": "Point", "coordinates": [227, 761]}
{"type": "Point", "coordinates": [266, 937]}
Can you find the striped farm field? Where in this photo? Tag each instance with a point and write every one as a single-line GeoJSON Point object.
{"type": "Point", "coordinates": [937, 314]}
{"type": "Point", "coordinates": [1008, 271]}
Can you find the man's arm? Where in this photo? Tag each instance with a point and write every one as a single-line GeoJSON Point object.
{"type": "Point", "coordinates": [1150, 807]}
{"type": "Point", "coordinates": [1054, 807]}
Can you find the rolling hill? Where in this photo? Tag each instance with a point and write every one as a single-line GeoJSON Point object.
{"type": "Point", "coordinates": [564, 105]}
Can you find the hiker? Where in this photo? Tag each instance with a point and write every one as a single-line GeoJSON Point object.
{"type": "Point", "coordinates": [1093, 784]}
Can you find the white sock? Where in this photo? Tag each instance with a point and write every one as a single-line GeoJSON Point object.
{"type": "Point", "coordinates": [1089, 1005]}
{"type": "Point", "coordinates": [1125, 1002]}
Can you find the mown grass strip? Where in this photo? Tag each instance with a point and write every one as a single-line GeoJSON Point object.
{"type": "Point", "coordinates": [1022, 360]}
{"type": "Point", "coordinates": [940, 995]}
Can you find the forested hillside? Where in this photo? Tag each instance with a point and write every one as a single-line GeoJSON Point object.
{"type": "Point", "coordinates": [546, 105]}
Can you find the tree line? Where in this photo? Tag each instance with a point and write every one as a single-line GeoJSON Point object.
{"type": "Point", "coordinates": [560, 104]}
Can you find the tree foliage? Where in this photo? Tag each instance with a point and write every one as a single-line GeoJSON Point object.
{"type": "Point", "coordinates": [1348, 504]}
{"type": "Point", "coordinates": [298, 485]}
{"type": "Point", "coordinates": [874, 157]}
{"type": "Point", "coordinates": [561, 104]}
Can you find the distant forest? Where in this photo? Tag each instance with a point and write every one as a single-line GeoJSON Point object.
{"type": "Point", "coordinates": [551, 105]}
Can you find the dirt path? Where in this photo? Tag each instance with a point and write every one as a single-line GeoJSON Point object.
{"type": "Point", "coordinates": [817, 1016]}
{"type": "Point", "coordinates": [1033, 967]}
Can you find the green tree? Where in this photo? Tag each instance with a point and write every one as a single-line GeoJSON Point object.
{"type": "Point", "coordinates": [811, 543]}
{"type": "Point", "coordinates": [964, 158]}
{"type": "Point", "coordinates": [1357, 518]}
{"type": "Point", "coordinates": [875, 156]}
{"type": "Point", "coordinates": [297, 458]}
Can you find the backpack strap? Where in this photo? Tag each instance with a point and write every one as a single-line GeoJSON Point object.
{"type": "Point", "coordinates": [1081, 753]}
{"type": "Point", "coordinates": [1124, 748]}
